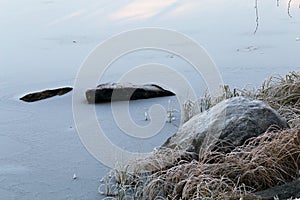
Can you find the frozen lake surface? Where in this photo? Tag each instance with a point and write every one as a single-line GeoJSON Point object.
{"type": "Point", "coordinates": [44, 42]}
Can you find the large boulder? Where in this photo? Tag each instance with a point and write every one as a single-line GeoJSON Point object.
{"type": "Point", "coordinates": [124, 92]}
{"type": "Point", "coordinates": [37, 96]}
{"type": "Point", "coordinates": [229, 123]}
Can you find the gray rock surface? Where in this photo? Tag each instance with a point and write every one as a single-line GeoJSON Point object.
{"type": "Point", "coordinates": [285, 191]}
{"type": "Point", "coordinates": [229, 123]}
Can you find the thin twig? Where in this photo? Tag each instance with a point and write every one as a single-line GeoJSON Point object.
{"type": "Point", "coordinates": [257, 17]}
{"type": "Point", "coordinates": [289, 8]}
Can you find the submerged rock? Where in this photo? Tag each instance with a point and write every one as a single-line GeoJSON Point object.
{"type": "Point", "coordinates": [230, 123]}
{"type": "Point", "coordinates": [124, 92]}
{"type": "Point", "coordinates": [37, 96]}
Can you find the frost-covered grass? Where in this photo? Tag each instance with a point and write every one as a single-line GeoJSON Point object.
{"type": "Point", "coordinates": [281, 93]}
{"type": "Point", "coordinates": [263, 162]}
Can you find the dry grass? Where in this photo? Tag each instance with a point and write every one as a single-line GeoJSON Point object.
{"type": "Point", "coordinates": [263, 162]}
{"type": "Point", "coordinates": [281, 93]}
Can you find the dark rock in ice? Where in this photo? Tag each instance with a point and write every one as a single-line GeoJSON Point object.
{"type": "Point", "coordinates": [124, 92]}
{"type": "Point", "coordinates": [37, 96]}
{"type": "Point", "coordinates": [285, 191]}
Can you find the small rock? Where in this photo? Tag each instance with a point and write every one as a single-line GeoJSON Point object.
{"type": "Point", "coordinates": [37, 96]}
